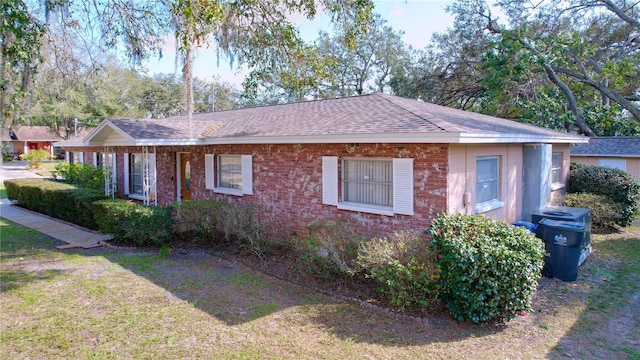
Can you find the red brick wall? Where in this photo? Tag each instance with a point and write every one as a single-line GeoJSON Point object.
{"type": "Point", "coordinates": [287, 180]}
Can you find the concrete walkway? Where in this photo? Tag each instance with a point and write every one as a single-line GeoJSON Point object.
{"type": "Point", "coordinates": [73, 235]}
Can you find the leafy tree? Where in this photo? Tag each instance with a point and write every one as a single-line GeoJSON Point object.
{"type": "Point", "coordinates": [254, 32]}
{"type": "Point", "coordinates": [335, 65]}
{"type": "Point", "coordinates": [20, 34]}
{"type": "Point", "coordinates": [559, 64]}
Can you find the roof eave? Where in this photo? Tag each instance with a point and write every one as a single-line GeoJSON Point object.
{"type": "Point", "coordinates": [438, 138]}
{"type": "Point", "coordinates": [89, 139]}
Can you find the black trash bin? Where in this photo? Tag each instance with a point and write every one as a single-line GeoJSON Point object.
{"type": "Point", "coordinates": [563, 241]}
{"type": "Point", "coordinates": [568, 213]}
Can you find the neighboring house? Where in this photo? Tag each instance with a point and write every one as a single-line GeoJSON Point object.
{"type": "Point", "coordinates": [622, 152]}
{"type": "Point", "coordinates": [25, 138]}
{"type": "Point", "coordinates": [386, 162]}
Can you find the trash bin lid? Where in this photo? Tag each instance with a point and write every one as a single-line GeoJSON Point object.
{"type": "Point", "coordinates": [562, 224]}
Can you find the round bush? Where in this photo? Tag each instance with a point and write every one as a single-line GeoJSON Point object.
{"type": "Point", "coordinates": [488, 269]}
{"type": "Point", "coordinates": [404, 266]}
{"type": "Point", "coordinates": [604, 212]}
{"type": "Point", "coordinates": [619, 186]}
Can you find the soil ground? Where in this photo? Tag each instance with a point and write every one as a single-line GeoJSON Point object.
{"type": "Point", "coordinates": [228, 304]}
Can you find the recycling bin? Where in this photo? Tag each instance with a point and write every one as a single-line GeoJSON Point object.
{"type": "Point", "coordinates": [525, 224]}
{"type": "Point", "coordinates": [567, 213]}
{"type": "Point", "coordinates": [563, 242]}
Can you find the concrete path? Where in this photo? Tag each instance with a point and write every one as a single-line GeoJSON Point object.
{"type": "Point", "coordinates": [73, 235]}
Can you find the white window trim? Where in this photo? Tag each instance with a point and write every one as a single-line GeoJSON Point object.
{"type": "Point", "coordinates": [403, 188]}
{"type": "Point", "coordinates": [247, 176]}
{"type": "Point", "coordinates": [613, 163]}
{"type": "Point", "coordinates": [488, 206]}
{"type": "Point", "coordinates": [492, 204]}
{"type": "Point", "coordinates": [152, 178]}
{"type": "Point", "coordinates": [372, 209]}
{"type": "Point", "coordinates": [557, 185]}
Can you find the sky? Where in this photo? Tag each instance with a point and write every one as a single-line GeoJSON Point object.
{"type": "Point", "coordinates": [418, 19]}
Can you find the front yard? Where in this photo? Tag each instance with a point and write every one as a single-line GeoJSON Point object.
{"type": "Point", "coordinates": [104, 303]}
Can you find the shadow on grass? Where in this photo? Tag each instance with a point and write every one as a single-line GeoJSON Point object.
{"type": "Point", "coordinates": [236, 295]}
{"type": "Point", "coordinates": [609, 283]}
{"type": "Point", "coordinates": [16, 278]}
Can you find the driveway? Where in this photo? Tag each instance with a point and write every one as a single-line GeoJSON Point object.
{"type": "Point", "coordinates": [16, 170]}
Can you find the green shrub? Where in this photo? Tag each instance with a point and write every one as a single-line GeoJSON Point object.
{"type": "Point", "coordinates": [619, 186]}
{"type": "Point", "coordinates": [91, 177]}
{"type": "Point", "coordinates": [604, 212]}
{"type": "Point", "coordinates": [35, 157]}
{"type": "Point", "coordinates": [404, 266]}
{"type": "Point", "coordinates": [329, 247]}
{"type": "Point", "coordinates": [134, 222]}
{"type": "Point", "coordinates": [488, 269]}
{"type": "Point", "coordinates": [250, 224]}
{"type": "Point", "coordinates": [62, 201]}
{"type": "Point", "coordinates": [198, 218]}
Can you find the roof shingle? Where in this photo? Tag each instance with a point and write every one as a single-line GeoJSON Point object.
{"type": "Point", "coordinates": [357, 116]}
{"type": "Point", "coordinates": [619, 146]}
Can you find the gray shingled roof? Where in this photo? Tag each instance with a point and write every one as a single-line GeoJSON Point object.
{"type": "Point", "coordinates": [375, 116]}
{"type": "Point", "coordinates": [619, 146]}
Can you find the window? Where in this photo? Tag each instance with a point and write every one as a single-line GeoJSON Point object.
{"type": "Point", "coordinates": [376, 186]}
{"type": "Point", "coordinates": [135, 174]}
{"type": "Point", "coordinates": [486, 179]}
{"type": "Point", "coordinates": [77, 158]}
{"type": "Point", "coordinates": [108, 162]}
{"type": "Point", "coordinates": [556, 168]}
{"type": "Point", "coordinates": [98, 159]}
{"type": "Point", "coordinates": [368, 182]}
{"type": "Point", "coordinates": [229, 174]}
{"type": "Point", "coordinates": [614, 163]}
{"type": "Point", "coordinates": [140, 176]}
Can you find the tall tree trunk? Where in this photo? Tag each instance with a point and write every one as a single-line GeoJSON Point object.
{"type": "Point", "coordinates": [187, 79]}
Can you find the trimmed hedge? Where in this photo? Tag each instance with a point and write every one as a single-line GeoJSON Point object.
{"type": "Point", "coordinates": [619, 186]}
{"type": "Point", "coordinates": [488, 269]}
{"type": "Point", "coordinates": [134, 222]}
{"type": "Point", "coordinates": [59, 200]}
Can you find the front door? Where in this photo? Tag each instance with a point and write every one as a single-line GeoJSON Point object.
{"type": "Point", "coordinates": [185, 176]}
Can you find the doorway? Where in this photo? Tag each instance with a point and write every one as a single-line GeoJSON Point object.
{"type": "Point", "coordinates": [185, 176]}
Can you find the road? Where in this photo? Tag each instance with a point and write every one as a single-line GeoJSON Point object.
{"type": "Point", "coordinates": [16, 170]}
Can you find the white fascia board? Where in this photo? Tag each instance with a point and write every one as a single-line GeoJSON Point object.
{"type": "Point", "coordinates": [168, 142]}
{"type": "Point", "coordinates": [437, 138]}
{"type": "Point", "coordinates": [128, 139]}
{"type": "Point", "coordinates": [479, 138]}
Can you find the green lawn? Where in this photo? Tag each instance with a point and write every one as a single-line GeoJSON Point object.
{"type": "Point", "coordinates": [102, 303]}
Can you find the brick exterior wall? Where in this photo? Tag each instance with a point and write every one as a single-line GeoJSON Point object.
{"type": "Point", "coordinates": [287, 180]}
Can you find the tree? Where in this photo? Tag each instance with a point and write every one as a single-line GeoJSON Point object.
{"type": "Point", "coordinates": [254, 32]}
{"type": "Point", "coordinates": [560, 64]}
{"type": "Point", "coordinates": [335, 65]}
{"type": "Point", "coordinates": [20, 34]}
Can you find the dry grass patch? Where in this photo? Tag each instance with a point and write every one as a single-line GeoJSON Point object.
{"type": "Point", "coordinates": [101, 303]}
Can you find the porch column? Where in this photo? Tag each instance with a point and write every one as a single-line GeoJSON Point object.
{"type": "Point", "coordinates": [536, 178]}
